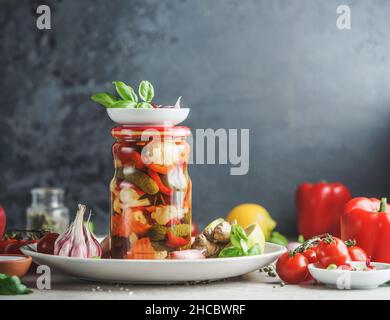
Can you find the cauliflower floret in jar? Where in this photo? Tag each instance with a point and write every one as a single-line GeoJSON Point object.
{"type": "Point", "coordinates": [133, 237]}
{"type": "Point", "coordinates": [117, 206]}
{"type": "Point", "coordinates": [160, 254]}
{"type": "Point", "coordinates": [162, 215]}
{"type": "Point", "coordinates": [130, 198]}
{"type": "Point", "coordinates": [165, 153]}
{"type": "Point", "coordinates": [139, 216]}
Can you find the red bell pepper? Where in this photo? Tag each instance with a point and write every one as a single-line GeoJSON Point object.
{"type": "Point", "coordinates": [2, 222]}
{"type": "Point", "coordinates": [368, 222]}
{"type": "Point", "coordinates": [319, 207]}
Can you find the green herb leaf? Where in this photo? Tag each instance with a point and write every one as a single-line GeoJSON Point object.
{"type": "Point", "coordinates": [144, 105]}
{"type": "Point", "coordinates": [278, 238]}
{"type": "Point", "coordinates": [105, 99]}
{"type": "Point", "coordinates": [254, 250]}
{"type": "Point", "coordinates": [12, 285]}
{"type": "Point", "coordinates": [230, 252]}
{"type": "Point", "coordinates": [146, 91]}
{"type": "Point", "coordinates": [235, 240]}
{"type": "Point", "coordinates": [301, 239]}
{"type": "Point", "coordinates": [124, 104]}
{"type": "Point", "coordinates": [239, 232]}
{"type": "Point", "coordinates": [244, 246]}
{"type": "Point", "coordinates": [125, 92]}
{"type": "Point", "coordinates": [238, 237]}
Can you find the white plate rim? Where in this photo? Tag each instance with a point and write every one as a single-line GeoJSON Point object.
{"type": "Point", "coordinates": [281, 249]}
{"type": "Point", "coordinates": [315, 266]}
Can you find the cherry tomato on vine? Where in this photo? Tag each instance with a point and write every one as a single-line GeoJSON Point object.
{"type": "Point", "coordinates": [46, 243]}
{"type": "Point", "coordinates": [5, 243]}
{"type": "Point", "coordinates": [332, 250]}
{"type": "Point", "coordinates": [14, 247]}
{"type": "Point", "coordinates": [355, 253]}
{"type": "Point", "coordinates": [310, 255]}
{"type": "Point", "coordinates": [292, 268]}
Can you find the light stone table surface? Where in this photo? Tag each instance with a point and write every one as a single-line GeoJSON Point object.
{"type": "Point", "coordinates": [250, 286]}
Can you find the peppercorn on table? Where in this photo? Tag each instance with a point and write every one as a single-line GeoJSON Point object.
{"type": "Point", "coordinates": [254, 285]}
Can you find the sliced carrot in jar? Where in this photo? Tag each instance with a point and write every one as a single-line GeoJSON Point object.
{"type": "Point", "coordinates": [150, 209]}
{"type": "Point", "coordinates": [139, 228]}
{"type": "Point", "coordinates": [141, 249]}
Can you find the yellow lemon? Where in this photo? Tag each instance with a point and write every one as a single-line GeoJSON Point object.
{"type": "Point", "coordinates": [249, 213]}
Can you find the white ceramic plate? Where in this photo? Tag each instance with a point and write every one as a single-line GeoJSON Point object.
{"type": "Point", "coordinates": [344, 279]}
{"type": "Point", "coordinates": [157, 271]}
{"type": "Point", "coordinates": [148, 116]}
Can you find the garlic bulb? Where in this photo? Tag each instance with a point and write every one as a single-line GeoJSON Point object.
{"type": "Point", "coordinates": [78, 241]}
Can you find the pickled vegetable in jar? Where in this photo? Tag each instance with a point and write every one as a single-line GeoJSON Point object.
{"type": "Point", "coordinates": [150, 192]}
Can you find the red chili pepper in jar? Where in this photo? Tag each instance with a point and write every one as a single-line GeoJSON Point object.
{"type": "Point", "coordinates": [163, 188]}
{"type": "Point", "coordinates": [158, 168]}
{"type": "Point", "coordinates": [129, 156]}
{"type": "Point", "coordinates": [173, 222]}
{"type": "Point", "coordinates": [175, 241]}
{"type": "Point", "coordinates": [319, 207]}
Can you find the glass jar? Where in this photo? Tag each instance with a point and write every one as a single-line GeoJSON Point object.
{"type": "Point", "coordinates": [150, 192]}
{"type": "Point", "coordinates": [47, 210]}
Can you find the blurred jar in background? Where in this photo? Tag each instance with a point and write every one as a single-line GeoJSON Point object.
{"type": "Point", "coordinates": [47, 210]}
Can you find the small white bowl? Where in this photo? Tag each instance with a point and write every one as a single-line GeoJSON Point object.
{"type": "Point", "coordinates": [156, 117]}
{"type": "Point", "coordinates": [345, 279]}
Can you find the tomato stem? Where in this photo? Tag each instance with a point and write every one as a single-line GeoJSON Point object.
{"type": "Point", "coordinates": [350, 243]}
{"type": "Point", "coordinates": [383, 205]}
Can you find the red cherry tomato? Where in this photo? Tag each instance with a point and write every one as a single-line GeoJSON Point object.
{"type": "Point", "coordinates": [345, 267]}
{"type": "Point", "coordinates": [5, 243]}
{"type": "Point", "coordinates": [14, 247]}
{"type": "Point", "coordinates": [46, 243]}
{"type": "Point", "coordinates": [292, 268]}
{"type": "Point", "coordinates": [332, 250]}
{"type": "Point", "coordinates": [355, 253]}
{"type": "Point", "coordinates": [194, 229]}
{"type": "Point", "coordinates": [310, 255]}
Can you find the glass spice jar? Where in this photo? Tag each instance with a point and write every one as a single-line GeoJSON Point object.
{"type": "Point", "coordinates": [150, 192]}
{"type": "Point", "coordinates": [47, 210]}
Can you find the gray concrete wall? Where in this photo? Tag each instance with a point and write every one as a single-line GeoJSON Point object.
{"type": "Point", "coordinates": [316, 99]}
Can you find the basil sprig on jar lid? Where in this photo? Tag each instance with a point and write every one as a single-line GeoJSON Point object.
{"type": "Point", "coordinates": [127, 98]}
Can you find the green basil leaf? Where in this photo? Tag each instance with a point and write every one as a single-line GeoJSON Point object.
{"type": "Point", "coordinates": [278, 238]}
{"type": "Point", "coordinates": [144, 105]}
{"type": "Point", "coordinates": [124, 104]}
{"type": "Point", "coordinates": [244, 246]}
{"type": "Point", "coordinates": [125, 92]}
{"type": "Point", "coordinates": [230, 252]}
{"type": "Point", "coordinates": [254, 250]}
{"type": "Point", "coordinates": [105, 99]}
{"type": "Point", "coordinates": [235, 240]}
{"type": "Point", "coordinates": [146, 91]}
{"type": "Point", "coordinates": [301, 239]}
{"type": "Point", "coordinates": [239, 232]}
{"type": "Point", "coordinates": [12, 285]}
